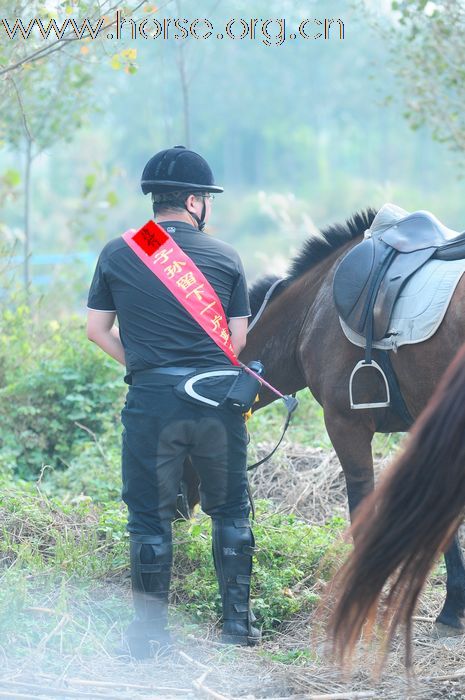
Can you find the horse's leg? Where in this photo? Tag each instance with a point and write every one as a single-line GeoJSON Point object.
{"type": "Point", "coordinates": [454, 606]}
{"type": "Point", "coordinates": [352, 441]}
{"type": "Point", "coordinates": [188, 496]}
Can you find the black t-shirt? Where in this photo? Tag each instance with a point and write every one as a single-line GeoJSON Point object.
{"type": "Point", "coordinates": [155, 329]}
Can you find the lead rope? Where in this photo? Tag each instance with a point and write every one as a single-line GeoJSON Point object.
{"type": "Point", "coordinates": [291, 404]}
{"type": "Point", "coordinates": [290, 401]}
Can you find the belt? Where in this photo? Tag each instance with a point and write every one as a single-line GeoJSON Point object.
{"type": "Point", "coordinates": [160, 375]}
{"type": "Point", "coordinates": [168, 375]}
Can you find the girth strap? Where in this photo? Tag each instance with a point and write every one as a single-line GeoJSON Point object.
{"type": "Point", "coordinates": [367, 319]}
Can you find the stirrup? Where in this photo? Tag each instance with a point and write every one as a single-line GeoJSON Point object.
{"type": "Point", "coordinates": [378, 404]}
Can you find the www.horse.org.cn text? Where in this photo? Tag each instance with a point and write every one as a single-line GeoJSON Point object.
{"type": "Point", "coordinates": [271, 32]}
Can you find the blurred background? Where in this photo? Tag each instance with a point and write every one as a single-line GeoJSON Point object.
{"type": "Point", "coordinates": [301, 133]}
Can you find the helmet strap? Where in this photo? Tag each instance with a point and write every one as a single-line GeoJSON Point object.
{"type": "Point", "coordinates": [200, 220]}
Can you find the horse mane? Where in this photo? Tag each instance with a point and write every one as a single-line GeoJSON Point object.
{"type": "Point", "coordinates": [315, 249]}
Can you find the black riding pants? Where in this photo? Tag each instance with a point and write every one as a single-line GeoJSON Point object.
{"type": "Point", "coordinates": [160, 430]}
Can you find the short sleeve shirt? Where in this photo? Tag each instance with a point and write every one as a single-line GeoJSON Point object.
{"type": "Point", "coordinates": [155, 329]}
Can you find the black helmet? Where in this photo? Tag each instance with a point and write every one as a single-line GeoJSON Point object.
{"type": "Point", "coordinates": [178, 169]}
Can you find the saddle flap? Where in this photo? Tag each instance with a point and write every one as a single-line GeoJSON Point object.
{"type": "Point", "coordinates": [399, 272]}
{"type": "Point", "coordinates": [352, 277]}
{"type": "Point", "coordinates": [357, 279]}
{"type": "Point", "coordinates": [369, 279]}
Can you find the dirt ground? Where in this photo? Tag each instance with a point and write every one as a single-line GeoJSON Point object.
{"type": "Point", "coordinates": [293, 665]}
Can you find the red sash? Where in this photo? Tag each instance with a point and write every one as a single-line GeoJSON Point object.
{"type": "Point", "coordinates": [162, 255]}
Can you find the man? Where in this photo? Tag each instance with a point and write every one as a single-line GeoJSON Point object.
{"type": "Point", "coordinates": [159, 342]}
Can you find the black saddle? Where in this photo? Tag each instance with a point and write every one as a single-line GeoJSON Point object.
{"type": "Point", "coordinates": [369, 279]}
{"type": "Point", "coordinates": [371, 276]}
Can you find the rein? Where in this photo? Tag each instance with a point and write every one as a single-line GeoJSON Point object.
{"type": "Point", "coordinates": [290, 401]}
{"type": "Point", "coordinates": [265, 302]}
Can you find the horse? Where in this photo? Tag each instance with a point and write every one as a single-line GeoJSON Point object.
{"type": "Point", "coordinates": [403, 526]}
{"type": "Point", "coordinates": [299, 340]}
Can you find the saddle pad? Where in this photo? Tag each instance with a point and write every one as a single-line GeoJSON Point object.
{"type": "Point", "coordinates": [420, 308]}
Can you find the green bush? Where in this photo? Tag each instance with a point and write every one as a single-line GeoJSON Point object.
{"type": "Point", "coordinates": [52, 378]}
{"type": "Point", "coordinates": [94, 472]}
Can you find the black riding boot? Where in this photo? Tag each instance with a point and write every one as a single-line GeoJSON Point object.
{"type": "Point", "coordinates": [151, 558]}
{"type": "Point", "coordinates": [233, 546]}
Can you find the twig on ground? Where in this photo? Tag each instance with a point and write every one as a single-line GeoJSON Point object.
{"type": "Point", "coordinates": [47, 690]}
{"type": "Point", "coordinates": [419, 618]}
{"type": "Point", "coordinates": [361, 695]}
{"type": "Point", "coordinates": [88, 682]}
{"type": "Point", "coordinates": [193, 661]}
{"type": "Point", "coordinates": [199, 684]}
{"type": "Point", "coordinates": [446, 677]}
{"type": "Point", "coordinates": [64, 621]}
{"type": "Point", "coordinates": [357, 695]}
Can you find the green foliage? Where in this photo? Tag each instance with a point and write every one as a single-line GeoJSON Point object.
{"type": "Point", "coordinates": [8, 271]}
{"type": "Point", "coordinates": [43, 534]}
{"type": "Point", "coordinates": [56, 386]}
{"type": "Point", "coordinates": [88, 222]}
{"type": "Point", "coordinates": [307, 426]}
{"type": "Point", "coordinates": [95, 471]}
{"type": "Point", "coordinates": [294, 657]}
{"type": "Point", "coordinates": [428, 55]}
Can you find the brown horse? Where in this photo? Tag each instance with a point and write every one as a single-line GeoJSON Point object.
{"type": "Point", "coordinates": [299, 340]}
{"type": "Point", "coordinates": [408, 520]}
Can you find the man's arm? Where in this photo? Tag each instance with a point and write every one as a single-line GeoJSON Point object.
{"type": "Point", "coordinates": [238, 328]}
{"type": "Point", "coordinates": [102, 331]}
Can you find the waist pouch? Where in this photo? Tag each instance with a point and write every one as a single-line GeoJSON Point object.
{"type": "Point", "coordinates": [233, 388]}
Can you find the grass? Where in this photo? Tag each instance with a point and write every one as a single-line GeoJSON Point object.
{"type": "Point", "coordinates": [64, 561]}
{"type": "Point", "coordinates": [307, 426]}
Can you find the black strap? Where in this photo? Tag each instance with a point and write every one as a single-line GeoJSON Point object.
{"type": "Point", "coordinates": [386, 258]}
{"type": "Point", "coordinates": [200, 221]}
{"type": "Point", "coordinates": [397, 398]}
{"type": "Point", "coordinates": [291, 404]}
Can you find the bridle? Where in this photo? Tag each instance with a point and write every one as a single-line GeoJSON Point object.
{"type": "Point", "coordinates": [265, 302]}
{"type": "Point", "coordinates": [291, 403]}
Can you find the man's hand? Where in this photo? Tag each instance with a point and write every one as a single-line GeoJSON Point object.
{"type": "Point", "coordinates": [102, 331]}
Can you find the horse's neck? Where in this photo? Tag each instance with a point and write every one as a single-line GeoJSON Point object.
{"type": "Point", "coordinates": [275, 338]}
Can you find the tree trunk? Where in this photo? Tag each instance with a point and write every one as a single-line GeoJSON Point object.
{"type": "Point", "coordinates": [27, 208]}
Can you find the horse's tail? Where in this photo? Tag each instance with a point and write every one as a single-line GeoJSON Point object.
{"type": "Point", "coordinates": [402, 527]}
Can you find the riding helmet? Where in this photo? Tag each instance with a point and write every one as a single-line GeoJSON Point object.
{"type": "Point", "coordinates": [178, 168]}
